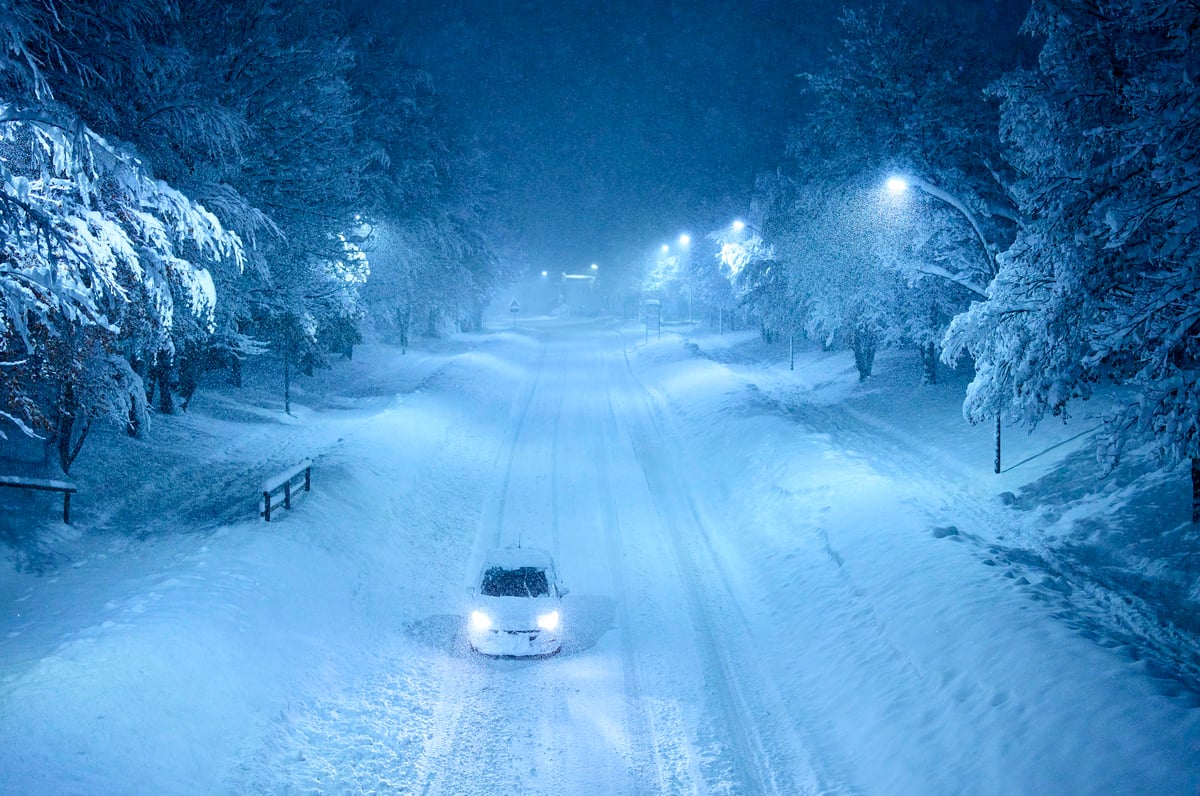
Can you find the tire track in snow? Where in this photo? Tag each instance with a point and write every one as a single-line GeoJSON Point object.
{"type": "Point", "coordinates": [453, 753]}
{"type": "Point", "coordinates": [556, 756]}
{"type": "Point", "coordinates": [494, 507]}
{"type": "Point", "coordinates": [504, 726]}
{"type": "Point", "coordinates": [739, 707]}
{"type": "Point", "coordinates": [554, 480]}
{"type": "Point", "coordinates": [641, 736]}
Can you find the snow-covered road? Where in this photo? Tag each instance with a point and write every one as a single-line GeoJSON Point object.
{"type": "Point", "coordinates": [656, 690]}
{"type": "Point", "coordinates": [761, 602]}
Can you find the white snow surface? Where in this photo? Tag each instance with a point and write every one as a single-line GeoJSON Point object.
{"type": "Point", "coordinates": [781, 582]}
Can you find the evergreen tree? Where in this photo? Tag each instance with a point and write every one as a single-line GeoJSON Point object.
{"type": "Point", "coordinates": [1101, 284]}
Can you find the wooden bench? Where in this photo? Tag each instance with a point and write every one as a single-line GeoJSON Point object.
{"type": "Point", "coordinates": [45, 485]}
{"type": "Point", "coordinates": [284, 484]}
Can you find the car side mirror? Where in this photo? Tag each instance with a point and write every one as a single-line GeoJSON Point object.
{"type": "Point", "coordinates": [563, 591]}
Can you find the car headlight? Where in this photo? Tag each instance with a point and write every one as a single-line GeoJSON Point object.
{"type": "Point", "coordinates": [548, 621]}
{"type": "Point", "coordinates": [480, 620]}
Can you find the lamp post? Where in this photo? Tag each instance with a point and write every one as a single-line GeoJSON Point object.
{"type": "Point", "coordinates": [733, 253]}
{"type": "Point", "coordinates": [897, 185]}
{"type": "Point", "coordinates": [685, 242]}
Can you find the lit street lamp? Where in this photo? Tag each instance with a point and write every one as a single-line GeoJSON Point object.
{"type": "Point", "coordinates": [897, 185]}
{"type": "Point", "coordinates": [685, 242]}
{"type": "Point", "coordinates": [739, 225]}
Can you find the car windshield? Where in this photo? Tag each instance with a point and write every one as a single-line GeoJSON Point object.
{"type": "Point", "coordinates": [521, 582]}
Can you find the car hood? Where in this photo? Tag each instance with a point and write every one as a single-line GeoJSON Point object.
{"type": "Point", "coordinates": [516, 613]}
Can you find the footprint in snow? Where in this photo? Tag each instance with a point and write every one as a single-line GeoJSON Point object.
{"type": "Point", "coordinates": [945, 531]}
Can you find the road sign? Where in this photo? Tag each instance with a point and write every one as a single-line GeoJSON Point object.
{"type": "Point", "coordinates": [514, 306]}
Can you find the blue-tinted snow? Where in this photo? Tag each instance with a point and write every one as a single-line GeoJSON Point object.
{"type": "Point", "coordinates": [764, 597]}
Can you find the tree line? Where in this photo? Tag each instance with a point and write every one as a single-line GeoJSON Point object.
{"type": "Point", "coordinates": [1030, 207]}
{"type": "Point", "coordinates": [189, 183]}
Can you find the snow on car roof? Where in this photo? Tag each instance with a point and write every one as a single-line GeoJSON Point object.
{"type": "Point", "coordinates": [516, 557]}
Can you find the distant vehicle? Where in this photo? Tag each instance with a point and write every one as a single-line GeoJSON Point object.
{"type": "Point", "coordinates": [517, 605]}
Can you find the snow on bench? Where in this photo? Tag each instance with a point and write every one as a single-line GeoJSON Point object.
{"type": "Point", "coordinates": [283, 484]}
{"type": "Point", "coordinates": [46, 485]}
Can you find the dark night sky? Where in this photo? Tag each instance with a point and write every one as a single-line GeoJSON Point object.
{"type": "Point", "coordinates": [612, 127]}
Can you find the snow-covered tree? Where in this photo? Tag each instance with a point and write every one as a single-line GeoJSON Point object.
{"type": "Point", "coordinates": [1102, 283]}
{"type": "Point", "coordinates": [427, 197]}
{"type": "Point", "coordinates": [93, 252]}
{"type": "Point", "coordinates": [709, 276]}
{"type": "Point", "coordinates": [902, 97]}
{"type": "Point", "coordinates": [288, 126]}
{"type": "Point", "coordinates": [146, 73]}
{"type": "Point", "coordinates": [294, 185]}
{"type": "Point", "coordinates": [665, 280]}
{"type": "Point", "coordinates": [832, 241]}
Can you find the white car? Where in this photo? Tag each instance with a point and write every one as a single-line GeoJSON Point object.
{"type": "Point", "coordinates": [516, 604]}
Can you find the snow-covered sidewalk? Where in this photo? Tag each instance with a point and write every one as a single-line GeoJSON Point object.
{"type": "Point", "coordinates": [922, 626]}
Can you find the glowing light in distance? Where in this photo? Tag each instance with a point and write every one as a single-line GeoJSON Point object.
{"type": "Point", "coordinates": [665, 248]}
{"type": "Point", "coordinates": [594, 266]}
{"type": "Point", "coordinates": [685, 240]}
{"type": "Point", "coordinates": [897, 185]}
{"type": "Point", "coordinates": [739, 225]}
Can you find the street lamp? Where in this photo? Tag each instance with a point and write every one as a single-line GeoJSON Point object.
{"type": "Point", "coordinates": [685, 241]}
{"type": "Point", "coordinates": [595, 267]}
{"type": "Point", "coordinates": [738, 226]}
{"type": "Point", "coordinates": [897, 185]}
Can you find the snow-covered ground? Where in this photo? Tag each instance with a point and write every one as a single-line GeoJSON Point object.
{"type": "Point", "coordinates": [781, 582]}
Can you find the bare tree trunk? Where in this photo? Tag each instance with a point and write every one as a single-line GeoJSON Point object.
{"type": "Point", "coordinates": [1196, 489]}
{"type": "Point", "coordinates": [863, 343]}
{"type": "Point", "coordinates": [189, 376]}
{"type": "Point", "coordinates": [160, 372]}
{"type": "Point", "coordinates": [287, 382]}
{"type": "Point", "coordinates": [929, 363]}
{"type": "Point", "coordinates": [929, 351]}
{"type": "Point", "coordinates": [71, 429]}
{"type": "Point", "coordinates": [997, 444]}
{"type": "Point", "coordinates": [140, 368]}
{"type": "Point", "coordinates": [403, 319]}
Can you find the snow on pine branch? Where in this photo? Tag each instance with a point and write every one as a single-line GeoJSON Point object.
{"type": "Point", "coordinates": [84, 224]}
